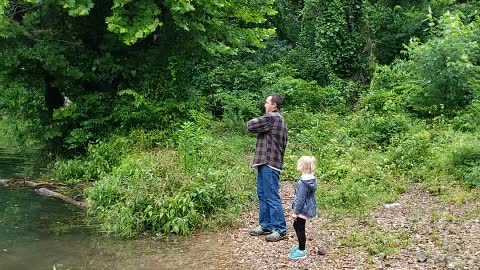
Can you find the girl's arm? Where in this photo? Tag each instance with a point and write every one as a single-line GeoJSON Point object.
{"type": "Point", "coordinates": [300, 198]}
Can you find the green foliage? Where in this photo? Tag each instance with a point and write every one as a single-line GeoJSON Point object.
{"type": "Point", "coordinates": [6, 136]}
{"type": "Point", "coordinates": [83, 120]}
{"type": "Point", "coordinates": [329, 40]}
{"type": "Point", "coordinates": [440, 77]}
{"type": "Point", "coordinates": [373, 130]}
{"type": "Point", "coordinates": [238, 110]}
{"type": "Point", "coordinates": [467, 119]}
{"type": "Point", "coordinates": [157, 197]}
{"type": "Point", "coordinates": [103, 156]}
{"type": "Point", "coordinates": [146, 124]}
{"type": "Point", "coordinates": [299, 93]}
{"type": "Point", "coordinates": [75, 8]}
{"type": "Point", "coordinates": [314, 132]}
{"type": "Point", "coordinates": [354, 179]}
{"type": "Point", "coordinates": [219, 26]}
{"type": "Point", "coordinates": [288, 20]}
{"type": "Point", "coordinates": [21, 107]}
{"type": "Point", "coordinates": [454, 159]}
{"type": "Point", "coordinates": [472, 176]}
{"type": "Point", "coordinates": [211, 23]}
{"type": "Point", "coordinates": [358, 187]}
{"type": "Point", "coordinates": [192, 139]}
{"type": "Point", "coordinates": [410, 151]}
{"type": "Point", "coordinates": [74, 49]}
{"type": "Point", "coordinates": [237, 90]}
{"type": "Point", "coordinates": [385, 95]}
{"type": "Point", "coordinates": [169, 191]}
{"type": "Point", "coordinates": [445, 68]}
{"type": "Point", "coordinates": [133, 20]}
{"type": "Point", "coordinates": [469, 153]}
{"type": "Point", "coordinates": [139, 110]}
{"type": "Point", "coordinates": [392, 24]}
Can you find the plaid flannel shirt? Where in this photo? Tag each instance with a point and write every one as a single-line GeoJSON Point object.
{"type": "Point", "coordinates": [272, 139]}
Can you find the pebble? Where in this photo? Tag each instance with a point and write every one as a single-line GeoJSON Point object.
{"type": "Point", "coordinates": [321, 251]}
{"type": "Point", "coordinates": [421, 257]}
{"type": "Point", "coordinates": [391, 205]}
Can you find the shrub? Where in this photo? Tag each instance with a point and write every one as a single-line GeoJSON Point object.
{"type": "Point", "coordinates": [102, 156]}
{"type": "Point", "coordinates": [472, 176]}
{"type": "Point", "coordinates": [237, 110]}
{"type": "Point", "coordinates": [409, 151]}
{"type": "Point", "coordinates": [373, 130]}
{"type": "Point", "coordinates": [466, 154]}
{"type": "Point", "coordinates": [336, 97]}
{"type": "Point", "coordinates": [467, 120]}
{"type": "Point", "coordinates": [356, 194]}
{"type": "Point", "coordinates": [173, 191]}
{"type": "Point", "coordinates": [445, 67]}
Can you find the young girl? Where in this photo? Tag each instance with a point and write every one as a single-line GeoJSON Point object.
{"type": "Point", "coordinates": [304, 203]}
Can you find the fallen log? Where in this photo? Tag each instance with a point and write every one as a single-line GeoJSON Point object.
{"type": "Point", "coordinates": [41, 189]}
{"type": "Point", "coordinates": [5, 182]}
{"type": "Point", "coordinates": [50, 193]}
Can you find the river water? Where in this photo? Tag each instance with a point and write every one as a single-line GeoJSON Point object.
{"type": "Point", "coordinates": [38, 232]}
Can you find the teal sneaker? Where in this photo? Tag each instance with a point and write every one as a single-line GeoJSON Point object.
{"type": "Point", "coordinates": [298, 254]}
{"type": "Point", "coordinates": [293, 249]}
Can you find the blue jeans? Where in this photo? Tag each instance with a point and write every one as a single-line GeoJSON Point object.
{"type": "Point", "coordinates": [271, 215]}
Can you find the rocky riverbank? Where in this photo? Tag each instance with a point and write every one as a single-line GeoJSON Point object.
{"type": "Point", "coordinates": [420, 231]}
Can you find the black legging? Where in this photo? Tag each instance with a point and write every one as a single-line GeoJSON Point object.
{"type": "Point", "coordinates": [299, 225]}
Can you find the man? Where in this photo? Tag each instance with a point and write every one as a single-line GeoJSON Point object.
{"type": "Point", "coordinates": [271, 133]}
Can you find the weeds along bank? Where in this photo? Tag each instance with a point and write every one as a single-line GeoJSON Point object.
{"type": "Point", "coordinates": [417, 121]}
{"type": "Point", "coordinates": [147, 182]}
{"type": "Point", "coordinates": [199, 176]}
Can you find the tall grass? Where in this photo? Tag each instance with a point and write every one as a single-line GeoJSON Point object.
{"type": "Point", "coordinates": [180, 181]}
{"type": "Point", "coordinates": [173, 187]}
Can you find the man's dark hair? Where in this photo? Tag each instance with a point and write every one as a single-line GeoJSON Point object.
{"type": "Point", "coordinates": [277, 99]}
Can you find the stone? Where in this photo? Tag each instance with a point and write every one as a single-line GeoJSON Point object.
{"type": "Point", "coordinates": [421, 257]}
{"type": "Point", "coordinates": [321, 251]}
{"type": "Point", "coordinates": [391, 205]}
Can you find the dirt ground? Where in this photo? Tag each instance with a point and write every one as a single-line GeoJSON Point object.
{"type": "Point", "coordinates": [437, 235]}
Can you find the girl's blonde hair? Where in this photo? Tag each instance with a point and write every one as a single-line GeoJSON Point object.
{"type": "Point", "coordinates": [307, 164]}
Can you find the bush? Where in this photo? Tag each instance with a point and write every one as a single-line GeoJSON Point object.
{"type": "Point", "coordinates": [466, 154]}
{"type": "Point", "coordinates": [445, 67]}
{"type": "Point", "coordinates": [103, 156]}
{"type": "Point", "coordinates": [377, 130]}
{"type": "Point", "coordinates": [237, 110]}
{"type": "Point", "coordinates": [173, 191]}
{"type": "Point", "coordinates": [357, 194]}
{"type": "Point", "coordinates": [472, 176]}
{"type": "Point", "coordinates": [409, 151]}
{"type": "Point", "coordinates": [467, 120]}
{"type": "Point", "coordinates": [336, 97]}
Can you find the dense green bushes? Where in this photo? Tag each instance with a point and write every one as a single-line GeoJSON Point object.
{"type": "Point", "coordinates": [146, 182]}
{"type": "Point", "coordinates": [103, 156]}
{"type": "Point", "coordinates": [440, 76]}
{"type": "Point", "coordinates": [174, 186]}
{"type": "Point", "coordinates": [157, 130]}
